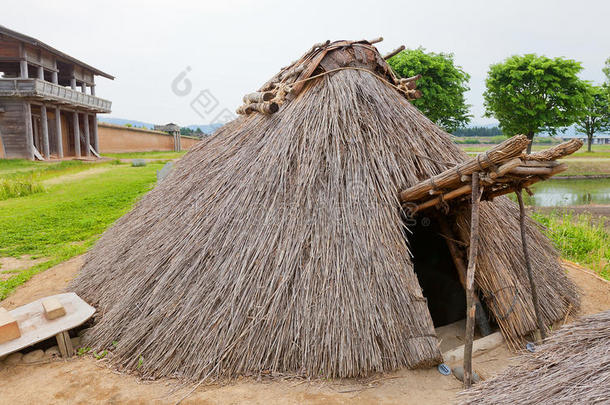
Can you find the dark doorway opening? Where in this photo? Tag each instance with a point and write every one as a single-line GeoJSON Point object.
{"type": "Point", "coordinates": [436, 272]}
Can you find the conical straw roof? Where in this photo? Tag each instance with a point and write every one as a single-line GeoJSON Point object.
{"type": "Point", "coordinates": [277, 244]}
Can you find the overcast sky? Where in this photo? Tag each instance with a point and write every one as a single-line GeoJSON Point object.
{"type": "Point", "coordinates": [233, 46]}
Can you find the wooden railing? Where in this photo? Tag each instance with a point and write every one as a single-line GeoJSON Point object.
{"type": "Point", "coordinates": [47, 90]}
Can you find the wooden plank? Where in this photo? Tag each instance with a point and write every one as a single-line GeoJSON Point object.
{"type": "Point", "coordinates": [36, 328]}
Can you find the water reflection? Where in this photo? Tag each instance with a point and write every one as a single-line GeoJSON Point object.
{"type": "Point", "coordinates": [556, 193]}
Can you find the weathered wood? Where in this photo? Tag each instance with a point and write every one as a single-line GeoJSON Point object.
{"type": "Point", "coordinates": [64, 344]}
{"type": "Point", "coordinates": [258, 97]}
{"type": "Point", "coordinates": [375, 40]}
{"type": "Point", "coordinates": [96, 145]}
{"type": "Point", "coordinates": [76, 129]}
{"type": "Point", "coordinates": [528, 265]}
{"type": "Point", "coordinates": [444, 197]}
{"type": "Point", "coordinates": [472, 259]}
{"type": "Point", "coordinates": [557, 151]}
{"type": "Point", "coordinates": [23, 69]}
{"type": "Point", "coordinates": [29, 131]}
{"type": "Point", "coordinates": [44, 123]}
{"type": "Point", "coordinates": [538, 171]}
{"type": "Point", "coordinates": [264, 108]}
{"type": "Point", "coordinates": [394, 52]}
{"type": "Point", "coordinates": [58, 134]}
{"type": "Point", "coordinates": [508, 149]}
{"type": "Point", "coordinates": [86, 133]}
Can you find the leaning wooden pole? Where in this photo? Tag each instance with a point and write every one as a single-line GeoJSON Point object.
{"type": "Point", "coordinates": [472, 260]}
{"type": "Point", "coordinates": [528, 265]}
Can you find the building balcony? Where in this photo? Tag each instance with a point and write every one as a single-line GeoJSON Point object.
{"type": "Point", "coordinates": [54, 93]}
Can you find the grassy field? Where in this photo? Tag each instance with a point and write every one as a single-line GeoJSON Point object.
{"type": "Point", "coordinates": [145, 155]}
{"type": "Point", "coordinates": [67, 217]}
{"type": "Point", "coordinates": [579, 238]}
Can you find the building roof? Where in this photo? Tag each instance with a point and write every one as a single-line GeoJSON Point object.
{"type": "Point", "coordinates": [35, 42]}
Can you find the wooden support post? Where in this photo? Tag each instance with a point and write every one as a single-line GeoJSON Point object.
{"type": "Point", "coordinates": [96, 143]}
{"type": "Point", "coordinates": [60, 145]}
{"type": "Point", "coordinates": [458, 260]}
{"type": "Point", "coordinates": [76, 134]}
{"type": "Point", "coordinates": [40, 72]}
{"type": "Point", "coordinates": [23, 69]}
{"type": "Point", "coordinates": [93, 91]}
{"type": "Point", "coordinates": [54, 74]}
{"type": "Point", "coordinates": [73, 83]}
{"type": "Point", "coordinates": [87, 135]}
{"type": "Point", "coordinates": [64, 344]}
{"type": "Point", "coordinates": [83, 87]}
{"type": "Point", "coordinates": [44, 123]}
{"type": "Point", "coordinates": [528, 265]}
{"type": "Point", "coordinates": [472, 259]}
{"type": "Point", "coordinates": [29, 131]}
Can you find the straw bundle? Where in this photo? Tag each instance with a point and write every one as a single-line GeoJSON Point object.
{"type": "Point", "coordinates": [277, 246]}
{"type": "Point", "coordinates": [570, 367]}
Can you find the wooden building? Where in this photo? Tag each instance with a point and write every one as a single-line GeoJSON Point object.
{"type": "Point", "coordinates": [48, 103]}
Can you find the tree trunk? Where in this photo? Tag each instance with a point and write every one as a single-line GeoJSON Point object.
{"type": "Point", "coordinates": [589, 141]}
{"type": "Point", "coordinates": [530, 137]}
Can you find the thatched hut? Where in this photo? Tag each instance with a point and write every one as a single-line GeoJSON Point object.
{"type": "Point", "coordinates": [571, 367]}
{"type": "Point", "coordinates": [280, 245]}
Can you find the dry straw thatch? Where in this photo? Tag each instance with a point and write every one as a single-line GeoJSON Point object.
{"type": "Point", "coordinates": [277, 246]}
{"type": "Point", "coordinates": [571, 367]}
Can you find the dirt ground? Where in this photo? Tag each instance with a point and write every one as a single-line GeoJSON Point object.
{"type": "Point", "coordinates": [86, 380]}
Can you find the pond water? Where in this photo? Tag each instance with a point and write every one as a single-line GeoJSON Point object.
{"type": "Point", "coordinates": [557, 193]}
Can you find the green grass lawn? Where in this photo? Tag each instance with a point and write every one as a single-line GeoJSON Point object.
{"type": "Point", "coordinates": [579, 238]}
{"type": "Point", "coordinates": [145, 155]}
{"type": "Point", "coordinates": [67, 217]}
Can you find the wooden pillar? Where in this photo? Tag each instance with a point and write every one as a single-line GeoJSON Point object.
{"type": "Point", "coordinates": [472, 260]}
{"type": "Point", "coordinates": [76, 134]}
{"type": "Point", "coordinates": [60, 145]}
{"type": "Point", "coordinates": [54, 73]}
{"type": "Point", "coordinates": [23, 66]}
{"type": "Point", "coordinates": [93, 89]}
{"type": "Point", "coordinates": [29, 131]}
{"type": "Point", "coordinates": [528, 266]}
{"type": "Point", "coordinates": [83, 87]}
{"type": "Point", "coordinates": [73, 83]}
{"type": "Point", "coordinates": [86, 130]}
{"type": "Point", "coordinates": [44, 123]}
{"type": "Point", "coordinates": [40, 73]}
{"type": "Point", "coordinates": [96, 143]}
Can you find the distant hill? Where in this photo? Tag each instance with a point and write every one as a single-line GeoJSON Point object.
{"type": "Point", "coordinates": [208, 129]}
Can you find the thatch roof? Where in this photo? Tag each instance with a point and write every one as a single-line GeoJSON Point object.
{"type": "Point", "coordinates": [572, 366]}
{"type": "Point", "coordinates": [277, 245]}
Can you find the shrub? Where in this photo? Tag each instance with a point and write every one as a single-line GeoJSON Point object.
{"type": "Point", "coordinates": [20, 187]}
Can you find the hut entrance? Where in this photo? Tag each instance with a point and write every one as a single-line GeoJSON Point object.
{"type": "Point", "coordinates": [436, 272]}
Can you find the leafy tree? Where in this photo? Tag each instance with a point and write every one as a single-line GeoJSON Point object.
{"type": "Point", "coordinates": [529, 94]}
{"type": "Point", "coordinates": [597, 113]}
{"type": "Point", "coordinates": [606, 70]}
{"type": "Point", "coordinates": [442, 85]}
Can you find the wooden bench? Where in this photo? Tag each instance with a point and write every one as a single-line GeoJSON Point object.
{"type": "Point", "coordinates": [35, 327]}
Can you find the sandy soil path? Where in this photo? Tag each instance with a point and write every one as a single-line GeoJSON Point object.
{"type": "Point", "coordinates": [85, 380]}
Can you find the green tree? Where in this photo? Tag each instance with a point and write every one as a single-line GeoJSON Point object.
{"type": "Point", "coordinates": [442, 85]}
{"type": "Point", "coordinates": [597, 113]}
{"type": "Point", "coordinates": [606, 70]}
{"type": "Point", "coordinates": [530, 94]}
